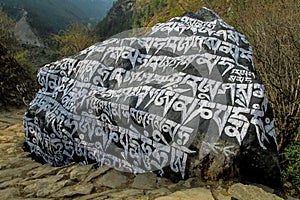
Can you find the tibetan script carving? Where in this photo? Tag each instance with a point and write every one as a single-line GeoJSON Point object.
{"type": "Point", "coordinates": [139, 103]}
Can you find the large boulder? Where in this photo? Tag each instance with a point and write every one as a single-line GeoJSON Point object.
{"type": "Point", "coordinates": [182, 99]}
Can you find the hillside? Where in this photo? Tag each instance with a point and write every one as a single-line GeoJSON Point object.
{"type": "Point", "coordinates": [44, 16]}
{"type": "Point", "coordinates": [16, 86]}
{"type": "Point", "coordinates": [94, 9]}
{"type": "Point", "coordinates": [48, 17]}
{"type": "Point", "coordinates": [119, 18]}
{"type": "Point", "coordinates": [127, 14]}
{"type": "Point", "coordinates": [24, 33]}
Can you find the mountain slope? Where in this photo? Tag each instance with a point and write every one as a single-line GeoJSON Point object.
{"type": "Point", "coordinates": [127, 14]}
{"type": "Point", "coordinates": [119, 18]}
{"type": "Point", "coordinates": [44, 16]}
{"type": "Point", "coordinates": [94, 9]}
{"type": "Point", "coordinates": [50, 16]}
{"type": "Point", "coordinates": [24, 33]}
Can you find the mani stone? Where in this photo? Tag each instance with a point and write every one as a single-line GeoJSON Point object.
{"type": "Point", "coordinates": [181, 99]}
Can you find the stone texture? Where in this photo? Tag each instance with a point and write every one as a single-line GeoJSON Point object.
{"type": "Point", "coordinates": [128, 194]}
{"type": "Point", "coordinates": [40, 184]}
{"type": "Point", "coordinates": [18, 172]}
{"type": "Point", "coordinates": [43, 171]}
{"type": "Point", "coordinates": [115, 179]}
{"type": "Point", "coordinates": [163, 182]}
{"type": "Point", "coordinates": [90, 197]}
{"type": "Point", "coordinates": [5, 179]}
{"type": "Point", "coordinates": [9, 193]}
{"type": "Point", "coordinates": [145, 181]}
{"type": "Point", "coordinates": [189, 194]}
{"type": "Point", "coordinates": [96, 173]}
{"type": "Point", "coordinates": [222, 197]}
{"type": "Point", "coordinates": [79, 189]}
{"type": "Point", "coordinates": [250, 192]}
{"type": "Point", "coordinates": [158, 192]}
{"type": "Point", "coordinates": [80, 173]}
{"type": "Point", "coordinates": [53, 188]}
{"type": "Point", "coordinates": [10, 183]}
{"type": "Point", "coordinates": [106, 193]}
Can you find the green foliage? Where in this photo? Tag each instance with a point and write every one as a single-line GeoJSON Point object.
{"type": "Point", "coordinates": [74, 39]}
{"type": "Point", "coordinates": [9, 42]}
{"type": "Point", "coordinates": [157, 10]}
{"type": "Point", "coordinates": [23, 58]}
{"type": "Point", "coordinates": [93, 10]}
{"type": "Point", "coordinates": [156, 5]}
{"type": "Point", "coordinates": [291, 171]}
{"type": "Point", "coordinates": [6, 26]}
{"type": "Point", "coordinates": [119, 18]}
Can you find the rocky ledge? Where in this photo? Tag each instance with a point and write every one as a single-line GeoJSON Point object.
{"type": "Point", "coordinates": [23, 178]}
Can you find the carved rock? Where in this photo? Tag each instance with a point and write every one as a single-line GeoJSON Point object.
{"type": "Point", "coordinates": [182, 100]}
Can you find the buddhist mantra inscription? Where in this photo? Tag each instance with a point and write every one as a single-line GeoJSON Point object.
{"type": "Point", "coordinates": [138, 103]}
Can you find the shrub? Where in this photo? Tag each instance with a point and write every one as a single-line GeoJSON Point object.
{"type": "Point", "coordinates": [274, 32]}
{"type": "Point", "coordinates": [74, 39]}
{"type": "Point", "coordinates": [291, 171]}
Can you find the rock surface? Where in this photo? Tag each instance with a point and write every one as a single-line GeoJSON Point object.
{"type": "Point", "coordinates": [24, 32]}
{"type": "Point", "coordinates": [182, 100]}
{"type": "Point", "coordinates": [23, 178]}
